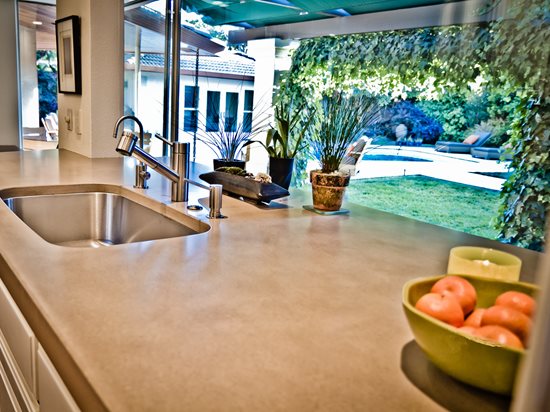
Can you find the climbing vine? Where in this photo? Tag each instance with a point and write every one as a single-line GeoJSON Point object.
{"type": "Point", "coordinates": [508, 57]}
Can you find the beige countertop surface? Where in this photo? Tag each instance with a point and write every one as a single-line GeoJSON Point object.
{"type": "Point", "coordinates": [275, 308]}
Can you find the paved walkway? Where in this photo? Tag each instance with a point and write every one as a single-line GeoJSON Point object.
{"type": "Point", "coordinates": [453, 167]}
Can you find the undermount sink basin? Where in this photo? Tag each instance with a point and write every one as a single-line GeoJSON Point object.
{"type": "Point", "coordinates": [97, 215]}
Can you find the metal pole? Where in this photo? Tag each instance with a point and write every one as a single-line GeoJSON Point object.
{"type": "Point", "coordinates": [166, 96]}
{"type": "Point", "coordinates": [137, 70]}
{"type": "Point", "coordinates": [195, 102]}
{"type": "Point", "coordinates": [174, 101]}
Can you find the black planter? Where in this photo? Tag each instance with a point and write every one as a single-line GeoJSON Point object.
{"type": "Point", "coordinates": [280, 171]}
{"type": "Point", "coordinates": [229, 163]}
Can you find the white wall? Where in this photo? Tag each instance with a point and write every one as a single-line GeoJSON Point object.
{"type": "Point", "coordinates": [29, 77]}
{"type": "Point", "coordinates": [102, 35]}
{"type": "Point", "coordinates": [263, 51]}
{"type": "Point", "coordinates": [9, 79]}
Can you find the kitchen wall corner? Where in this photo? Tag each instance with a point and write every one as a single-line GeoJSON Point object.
{"type": "Point", "coordinates": [101, 102]}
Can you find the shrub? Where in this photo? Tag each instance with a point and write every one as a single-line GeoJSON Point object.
{"type": "Point", "coordinates": [476, 109]}
{"type": "Point", "coordinates": [46, 66]}
{"type": "Point", "coordinates": [498, 129]}
{"type": "Point", "coordinates": [47, 92]}
{"type": "Point", "coordinates": [419, 125]}
{"type": "Point", "coordinates": [457, 113]}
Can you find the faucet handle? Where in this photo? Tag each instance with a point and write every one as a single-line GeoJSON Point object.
{"type": "Point", "coordinates": [142, 176]}
{"type": "Point", "coordinates": [164, 139]}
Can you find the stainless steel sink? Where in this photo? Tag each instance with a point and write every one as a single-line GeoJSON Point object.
{"type": "Point", "coordinates": [83, 216]}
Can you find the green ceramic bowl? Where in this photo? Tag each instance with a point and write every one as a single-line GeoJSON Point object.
{"type": "Point", "coordinates": [467, 358]}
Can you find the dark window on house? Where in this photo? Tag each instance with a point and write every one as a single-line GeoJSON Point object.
{"type": "Point", "coordinates": [191, 105]}
{"type": "Point", "coordinates": [231, 106]}
{"type": "Point", "coordinates": [213, 111]}
{"type": "Point", "coordinates": [247, 112]}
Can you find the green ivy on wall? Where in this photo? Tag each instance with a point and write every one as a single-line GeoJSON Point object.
{"type": "Point", "coordinates": [508, 58]}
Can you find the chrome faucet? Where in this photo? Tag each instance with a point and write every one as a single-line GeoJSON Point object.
{"type": "Point", "coordinates": [142, 175]}
{"type": "Point", "coordinates": [178, 174]}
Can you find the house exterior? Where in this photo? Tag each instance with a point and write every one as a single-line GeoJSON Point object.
{"type": "Point", "coordinates": [225, 86]}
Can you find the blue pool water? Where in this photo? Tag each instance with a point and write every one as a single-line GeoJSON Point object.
{"type": "Point", "coordinates": [393, 158]}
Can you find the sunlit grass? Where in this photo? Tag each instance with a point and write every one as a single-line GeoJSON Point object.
{"type": "Point", "coordinates": [452, 205]}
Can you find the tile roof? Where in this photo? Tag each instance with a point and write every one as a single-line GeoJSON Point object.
{"type": "Point", "coordinates": [213, 64]}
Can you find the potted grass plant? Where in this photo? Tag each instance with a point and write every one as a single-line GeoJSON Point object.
{"type": "Point", "coordinates": [342, 118]}
{"type": "Point", "coordinates": [227, 137]}
{"type": "Point", "coordinates": [286, 138]}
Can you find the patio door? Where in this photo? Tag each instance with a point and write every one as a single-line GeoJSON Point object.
{"type": "Point", "coordinates": [38, 75]}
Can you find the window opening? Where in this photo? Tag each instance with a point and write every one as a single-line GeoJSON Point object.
{"type": "Point", "coordinates": [231, 106]}
{"type": "Point", "coordinates": [247, 112]}
{"type": "Point", "coordinates": [191, 105]}
{"type": "Point", "coordinates": [213, 111]}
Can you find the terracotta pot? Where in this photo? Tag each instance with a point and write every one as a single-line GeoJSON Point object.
{"type": "Point", "coordinates": [229, 163]}
{"type": "Point", "coordinates": [280, 171]}
{"type": "Point", "coordinates": [328, 190]}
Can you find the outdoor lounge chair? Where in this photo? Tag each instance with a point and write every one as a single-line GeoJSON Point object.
{"type": "Point", "coordinates": [51, 127]}
{"type": "Point", "coordinates": [490, 153]}
{"type": "Point", "coordinates": [355, 154]}
{"type": "Point", "coordinates": [464, 147]}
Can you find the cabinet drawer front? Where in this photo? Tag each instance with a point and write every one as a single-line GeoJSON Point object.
{"type": "Point", "coordinates": [53, 395]}
{"type": "Point", "coordinates": [21, 398]}
{"type": "Point", "coordinates": [19, 336]}
{"type": "Point", "coordinates": [8, 401]}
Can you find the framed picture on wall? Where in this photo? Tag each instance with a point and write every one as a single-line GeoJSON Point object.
{"type": "Point", "coordinates": [67, 35]}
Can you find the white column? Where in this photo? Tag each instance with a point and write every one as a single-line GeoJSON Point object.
{"type": "Point", "coordinates": [101, 102]}
{"type": "Point", "coordinates": [263, 51]}
{"type": "Point", "coordinates": [10, 113]}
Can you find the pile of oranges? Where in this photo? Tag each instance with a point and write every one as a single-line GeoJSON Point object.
{"type": "Point", "coordinates": [453, 299]}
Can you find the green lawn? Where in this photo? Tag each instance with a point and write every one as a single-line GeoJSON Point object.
{"type": "Point", "coordinates": [456, 206]}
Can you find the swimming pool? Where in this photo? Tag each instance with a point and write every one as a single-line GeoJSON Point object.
{"type": "Point", "coordinates": [393, 158]}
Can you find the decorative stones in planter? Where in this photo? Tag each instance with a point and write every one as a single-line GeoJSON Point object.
{"type": "Point", "coordinates": [328, 189]}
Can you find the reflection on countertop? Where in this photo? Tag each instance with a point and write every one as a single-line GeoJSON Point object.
{"type": "Point", "coordinates": [448, 392]}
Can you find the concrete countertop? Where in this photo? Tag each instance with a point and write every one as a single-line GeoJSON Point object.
{"type": "Point", "coordinates": [275, 309]}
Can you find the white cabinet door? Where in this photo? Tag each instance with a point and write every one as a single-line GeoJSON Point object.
{"type": "Point", "coordinates": [19, 336]}
{"type": "Point", "coordinates": [53, 395]}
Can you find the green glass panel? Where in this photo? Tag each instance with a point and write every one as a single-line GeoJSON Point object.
{"type": "Point", "coordinates": [263, 14]}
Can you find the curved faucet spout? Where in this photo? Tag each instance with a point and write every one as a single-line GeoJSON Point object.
{"type": "Point", "coordinates": [135, 119]}
{"type": "Point", "coordinates": [127, 145]}
{"type": "Point", "coordinates": [178, 174]}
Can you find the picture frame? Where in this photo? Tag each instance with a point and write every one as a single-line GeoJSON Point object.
{"type": "Point", "coordinates": [67, 36]}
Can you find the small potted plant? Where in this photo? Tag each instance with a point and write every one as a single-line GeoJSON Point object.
{"type": "Point", "coordinates": [342, 118]}
{"type": "Point", "coordinates": [286, 139]}
{"type": "Point", "coordinates": [228, 137]}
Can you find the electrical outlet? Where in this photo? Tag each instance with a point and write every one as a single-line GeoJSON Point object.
{"type": "Point", "coordinates": [77, 120]}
